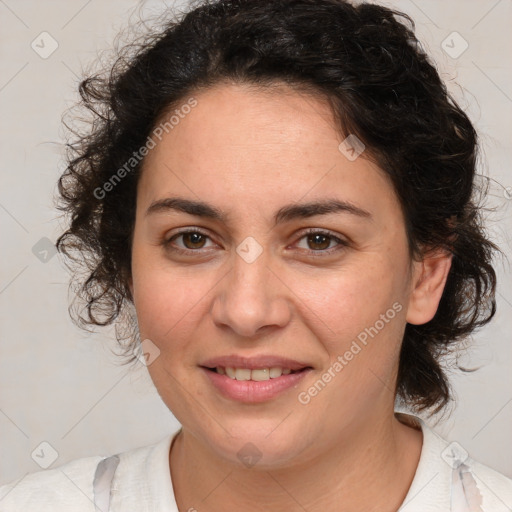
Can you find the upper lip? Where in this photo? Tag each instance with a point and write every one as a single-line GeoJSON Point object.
{"type": "Point", "coordinates": [261, 361]}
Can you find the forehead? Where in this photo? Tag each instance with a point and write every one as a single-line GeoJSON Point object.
{"type": "Point", "coordinates": [239, 116]}
{"type": "Point", "coordinates": [255, 147]}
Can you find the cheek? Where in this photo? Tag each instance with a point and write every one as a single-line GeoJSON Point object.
{"type": "Point", "coordinates": [169, 302]}
{"type": "Point", "coordinates": [349, 300]}
{"type": "Point", "coordinates": [358, 314]}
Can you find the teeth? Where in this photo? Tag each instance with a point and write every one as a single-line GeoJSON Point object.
{"type": "Point", "coordinates": [242, 374]}
{"type": "Point", "coordinates": [259, 374]}
{"type": "Point", "coordinates": [263, 374]}
{"type": "Point", "coordinates": [275, 372]}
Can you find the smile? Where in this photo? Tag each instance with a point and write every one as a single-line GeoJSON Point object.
{"type": "Point", "coordinates": [256, 374]}
{"type": "Point", "coordinates": [253, 385]}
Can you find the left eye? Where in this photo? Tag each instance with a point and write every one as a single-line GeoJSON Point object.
{"type": "Point", "coordinates": [321, 240]}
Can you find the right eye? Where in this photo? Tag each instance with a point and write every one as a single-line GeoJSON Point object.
{"type": "Point", "coordinates": [192, 240]}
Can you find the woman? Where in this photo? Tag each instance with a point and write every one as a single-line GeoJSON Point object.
{"type": "Point", "coordinates": [283, 192]}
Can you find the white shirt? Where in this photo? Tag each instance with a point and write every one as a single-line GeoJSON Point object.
{"type": "Point", "coordinates": [140, 480]}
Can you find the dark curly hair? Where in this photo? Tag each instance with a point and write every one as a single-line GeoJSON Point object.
{"type": "Point", "coordinates": [367, 63]}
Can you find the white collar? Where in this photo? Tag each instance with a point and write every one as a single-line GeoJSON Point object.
{"type": "Point", "coordinates": [430, 490]}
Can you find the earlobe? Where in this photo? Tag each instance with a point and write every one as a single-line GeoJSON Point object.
{"type": "Point", "coordinates": [428, 284]}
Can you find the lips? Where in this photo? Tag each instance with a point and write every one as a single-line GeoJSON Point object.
{"type": "Point", "coordinates": [252, 391]}
{"type": "Point", "coordinates": [254, 379]}
{"type": "Point", "coordinates": [254, 363]}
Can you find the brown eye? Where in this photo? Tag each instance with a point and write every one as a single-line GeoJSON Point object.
{"type": "Point", "coordinates": [193, 240]}
{"type": "Point", "coordinates": [319, 241]}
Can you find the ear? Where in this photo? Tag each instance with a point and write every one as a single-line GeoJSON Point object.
{"type": "Point", "coordinates": [429, 279]}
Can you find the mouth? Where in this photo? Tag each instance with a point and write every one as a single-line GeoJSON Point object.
{"type": "Point", "coordinates": [254, 374]}
{"type": "Point", "coordinates": [254, 385]}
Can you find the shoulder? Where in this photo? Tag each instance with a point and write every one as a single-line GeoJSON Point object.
{"type": "Point", "coordinates": [475, 478]}
{"type": "Point", "coordinates": [76, 484]}
{"type": "Point", "coordinates": [494, 487]}
{"type": "Point", "coordinates": [67, 487]}
{"type": "Point", "coordinates": [448, 478]}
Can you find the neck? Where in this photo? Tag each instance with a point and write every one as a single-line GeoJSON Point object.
{"type": "Point", "coordinates": [375, 465]}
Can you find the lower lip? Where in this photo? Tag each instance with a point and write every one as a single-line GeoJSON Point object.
{"type": "Point", "coordinates": [251, 391]}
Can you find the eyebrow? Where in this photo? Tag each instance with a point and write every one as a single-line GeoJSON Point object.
{"type": "Point", "coordinates": [284, 214]}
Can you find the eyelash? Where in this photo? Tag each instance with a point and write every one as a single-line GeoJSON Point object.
{"type": "Point", "coordinates": [318, 253]}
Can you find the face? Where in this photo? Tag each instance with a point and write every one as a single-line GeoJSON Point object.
{"type": "Point", "coordinates": [260, 280]}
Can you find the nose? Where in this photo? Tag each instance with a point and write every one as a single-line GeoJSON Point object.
{"type": "Point", "coordinates": [251, 298]}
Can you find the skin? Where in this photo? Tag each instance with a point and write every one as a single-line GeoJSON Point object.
{"type": "Point", "coordinates": [249, 152]}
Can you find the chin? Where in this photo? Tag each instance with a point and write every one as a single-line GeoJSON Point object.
{"type": "Point", "coordinates": [257, 446]}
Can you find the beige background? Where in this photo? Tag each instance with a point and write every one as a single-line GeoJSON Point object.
{"type": "Point", "coordinates": [61, 386]}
